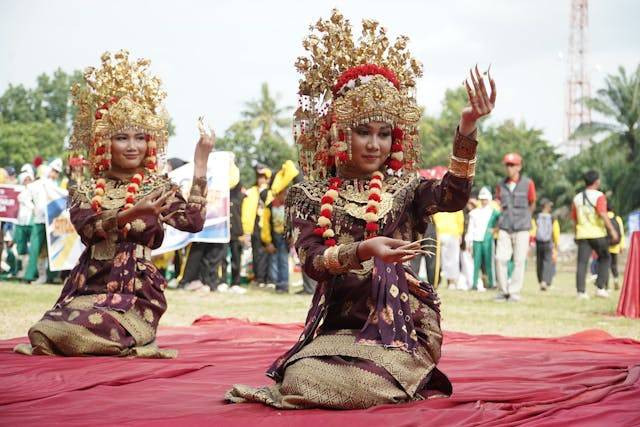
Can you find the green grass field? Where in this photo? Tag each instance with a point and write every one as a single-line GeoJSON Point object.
{"type": "Point", "coordinates": [553, 313]}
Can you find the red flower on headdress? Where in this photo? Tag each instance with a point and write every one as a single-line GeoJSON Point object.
{"type": "Point", "coordinates": [365, 70]}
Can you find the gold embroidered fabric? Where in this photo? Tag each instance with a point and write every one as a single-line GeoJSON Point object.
{"type": "Point", "coordinates": [61, 337]}
{"type": "Point", "coordinates": [409, 369]}
{"type": "Point", "coordinates": [465, 147]}
{"type": "Point", "coordinates": [462, 168]}
{"type": "Point", "coordinates": [313, 383]}
{"type": "Point", "coordinates": [116, 191]}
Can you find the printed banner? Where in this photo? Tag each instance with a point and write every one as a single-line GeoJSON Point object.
{"type": "Point", "coordinates": [65, 247]}
{"type": "Point", "coordinates": [9, 206]}
{"type": "Point", "coordinates": [63, 243]}
{"type": "Point", "coordinates": [217, 223]}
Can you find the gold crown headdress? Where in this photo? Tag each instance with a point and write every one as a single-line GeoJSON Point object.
{"type": "Point", "coordinates": [118, 96]}
{"type": "Point", "coordinates": [345, 84]}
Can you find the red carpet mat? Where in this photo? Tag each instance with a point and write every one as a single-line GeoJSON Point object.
{"type": "Point", "coordinates": [587, 379]}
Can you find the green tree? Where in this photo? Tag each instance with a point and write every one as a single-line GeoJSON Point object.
{"type": "Point", "coordinates": [36, 121]}
{"type": "Point", "coordinates": [18, 104]}
{"type": "Point", "coordinates": [261, 136]}
{"type": "Point", "coordinates": [619, 177]}
{"type": "Point", "coordinates": [540, 161]}
{"type": "Point", "coordinates": [539, 157]}
{"type": "Point", "coordinates": [21, 142]}
{"type": "Point", "coordinates": [265, 115]}
{"type": "Point", "coordinates": [49, 100]}
{"type": "Point", "coordinates": [436, 133]}
{"type": "Point", "coordinates": [619, 103]}
{"type": "Point", "coordinates": [617, 154]}
{"type": "Point", "coordinates": [240, 140]}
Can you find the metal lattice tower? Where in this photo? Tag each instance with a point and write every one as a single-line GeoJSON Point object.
{"type": "Point", "coordinates": [578, 82]}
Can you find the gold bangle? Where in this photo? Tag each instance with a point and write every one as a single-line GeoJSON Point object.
{"type": "Point", "coordinates": [331, 260]}
{"type": "Point", "coordinates": [462, 168]}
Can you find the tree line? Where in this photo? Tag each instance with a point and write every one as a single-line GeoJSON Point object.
{"type": "Point", "coordinates": [36, 121]}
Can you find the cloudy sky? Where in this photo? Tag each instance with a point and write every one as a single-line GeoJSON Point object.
{"type": "Point", "coordinates": [214, 55]}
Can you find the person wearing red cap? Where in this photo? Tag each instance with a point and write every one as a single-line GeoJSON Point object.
{"type": "Point", "coordinates": [517, 197]}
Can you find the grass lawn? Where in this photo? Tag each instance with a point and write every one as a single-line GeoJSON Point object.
{"type": "Point", "coordinates": [553, 313]}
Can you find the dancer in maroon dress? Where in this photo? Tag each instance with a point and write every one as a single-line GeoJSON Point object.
{"type": "Point", "coordinates": [372, 335]}
{"type": "Point", "coordinates": [113, 299]}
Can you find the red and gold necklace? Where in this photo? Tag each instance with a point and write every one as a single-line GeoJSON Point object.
{"type": "Point", "coordinates": [371, 216]}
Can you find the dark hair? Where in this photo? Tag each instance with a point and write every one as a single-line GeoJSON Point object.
{"type": "Point", "coordinates": [590, 177]}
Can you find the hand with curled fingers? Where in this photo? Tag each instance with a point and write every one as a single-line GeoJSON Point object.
{"type": "Point", "coordinates": [480, 103]}
{"type": "Point", "coordinates": [155, 204]}
{"type": "Point", "coordinates": [205, 144]}
{"type": "Point", "coordinates": [388, 249]}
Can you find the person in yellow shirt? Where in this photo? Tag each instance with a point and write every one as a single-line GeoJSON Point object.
{"type": "Point", "coordinates": [273, 225]}
{"type": "Point", "coordinates": [252, 209]}
{"type": "Point", "coordinates": [449, 229]}
{"type": "Point", "coordinates": [592, 224]}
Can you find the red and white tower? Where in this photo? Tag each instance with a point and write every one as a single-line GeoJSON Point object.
{"type": "Point", "coordinates": [578, 82]}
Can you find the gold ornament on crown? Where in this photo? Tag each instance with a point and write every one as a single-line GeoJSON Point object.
{"type": "Point", "coordinates": [347, 83]}
{"type": "Point", "coordinates": [118, 96]}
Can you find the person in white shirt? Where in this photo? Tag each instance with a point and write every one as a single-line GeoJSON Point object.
{"type": "Point", "coordinates": [38, 192]}
{"type": "Point", "coordinates": [479, 237]}
{"type": "Point", "coordinates": [23, 221]}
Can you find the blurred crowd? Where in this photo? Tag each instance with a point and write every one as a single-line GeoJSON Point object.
{"type": "Point", "coordinates": [257, 253]}
{"type": "Point", "coordinates": [485, 246]}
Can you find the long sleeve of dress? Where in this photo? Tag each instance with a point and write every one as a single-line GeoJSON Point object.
{"type": "Point", "coordinates": [310, 247]}
{"type": "Point", "coordinates": [452, 192]}
{"type": "Point", "coordinates": [189, 215]}
{"type": "Point", "coordinates": [91, 226]}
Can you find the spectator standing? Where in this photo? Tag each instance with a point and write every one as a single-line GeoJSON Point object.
{"type": "Point", "coordinates": [24, 221]}
{"type": "Point", "coordinates": [482, 221]}
{"type": "Point", "coordinates": [273, 225]}
{"type": "Point", "coordinates": [547, 237]}
{"type": "Point", "coordinates": [449, 229]}
{"type": "Point", "coordinates": [517, 196]}
{"type": "Point", "coordinates": [36, 268]}
{"type": "Point", "coordinates": [252, 210]}
{"type": "Point", "coordinates": [592, 223]}
{"type": "Point", "coordinates": [236, 197]}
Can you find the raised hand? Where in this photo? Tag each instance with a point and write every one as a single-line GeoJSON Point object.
{"type": "Point", "coordinates": [205, 145]}
{"type": "Point", "coordinates": [480, 103]}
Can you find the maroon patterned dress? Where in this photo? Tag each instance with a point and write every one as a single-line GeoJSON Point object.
{"type": "Point", "coordinates": [113, 299]}
{"type": "Point", "coordinates": [372, 334]}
